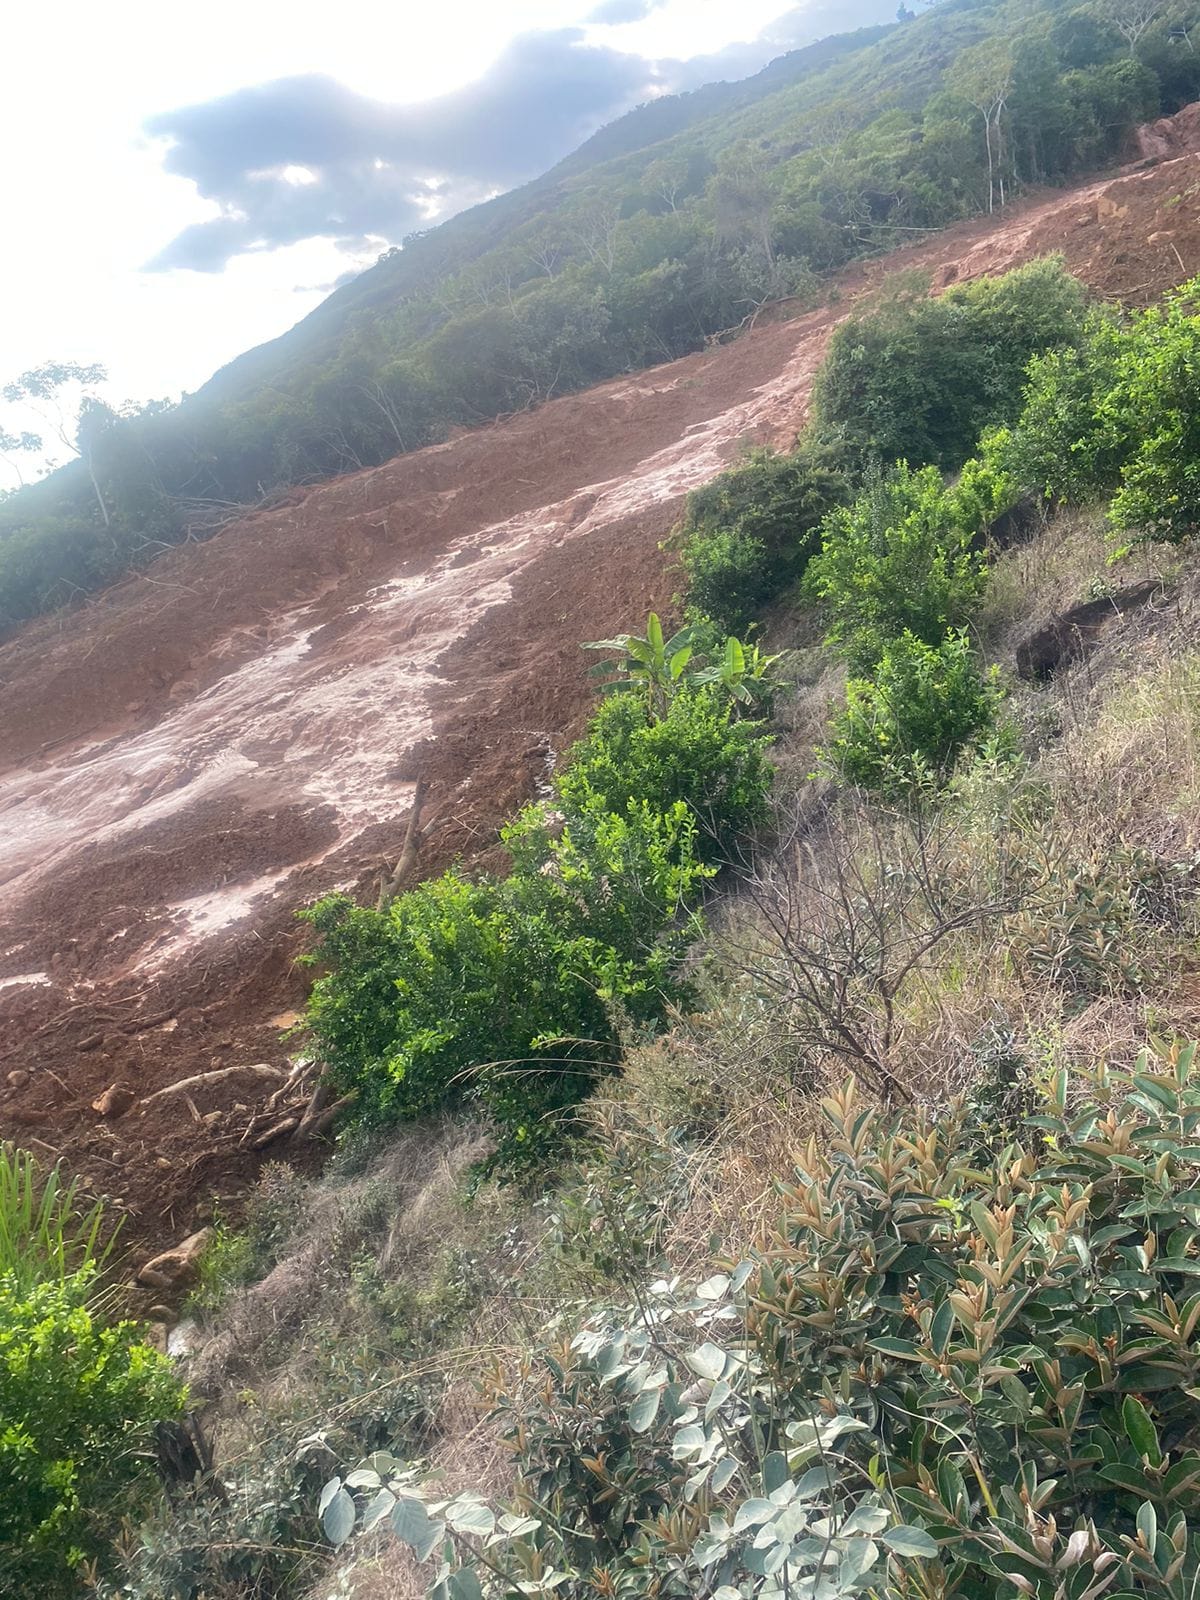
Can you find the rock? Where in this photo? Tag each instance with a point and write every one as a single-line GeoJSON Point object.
{"type": "Point", "coordinates": [174, 1268]}
{"type": "Point", "coordinates": [18, 1078]}
{"type": "Point", "coordinates": [1018, 524]}
{"type": "Point", "coordinates": [161, 1314]}
{"type": "Point", "coordinates": [157, 1336]}
{"type": "Point", "coordinates": [115, 1101]}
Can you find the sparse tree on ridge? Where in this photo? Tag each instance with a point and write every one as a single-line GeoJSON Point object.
{"type": "Point", "coordinates": [1132, 18]}
{"type": "Point", "coordinates": [43, 388]}
{"type": "Point", "coordinates": [985, 80]}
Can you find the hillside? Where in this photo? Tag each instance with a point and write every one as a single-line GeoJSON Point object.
{"type": "Point", "coordinates": [211, 744]}
{"type": "Point", "coordinates": [666, 230]}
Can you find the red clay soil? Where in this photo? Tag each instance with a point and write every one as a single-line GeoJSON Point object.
{"type": "Point", "coordinates": [212, 744]}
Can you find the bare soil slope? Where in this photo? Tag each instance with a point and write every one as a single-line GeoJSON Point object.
{"type": "Point", "coordinates": [215, 742]}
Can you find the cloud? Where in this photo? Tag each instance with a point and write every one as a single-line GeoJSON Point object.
{"type": "Point", "coordinates": [305, 157]}
{"type": "Point", "coordinates": [614, 12]}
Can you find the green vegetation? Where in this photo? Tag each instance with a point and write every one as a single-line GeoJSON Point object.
{"type": "Point", "coordinates": [884, 384]}
{"type": "Point", "coordinates": [905, 727]}
{"type": "Point", "coordinates": [510, 993]}
{"type": "Point", "coordinates": [904, 558]}
{"type": "Point", "coordinates": [674, 224]}
{"type": "Point", "coordinates": [947, 1366]}
{"type": "Point", "coordinates": [1118, 417]}
{"type": "Point", "coordinates": [747, 536]}
{"type": "Point", "coordinates": [78, 1399]}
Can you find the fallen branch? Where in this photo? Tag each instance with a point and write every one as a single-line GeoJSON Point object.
{"type": "Point", "coordinates": [260, 1070]}
{"type": "Point", "coordinates": [275, 1131]}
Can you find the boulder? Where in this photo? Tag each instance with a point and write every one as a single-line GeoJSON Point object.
{"type": "Point", "coordinates": [178, 1267]}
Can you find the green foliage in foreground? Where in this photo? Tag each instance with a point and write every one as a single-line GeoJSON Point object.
{"type": "Point", "coordinates": [1119, 416]}
{"type": "Point", "coordinates": [45, 1232]}
{"type": "Point", "coordinates": [904, 728]}
{"type": "Point", "coordinates": [918, 379]}
{"type": "Point", "coordinates": [954, 1368]}
{"type": "Point", "coordinates": [697, 753]}
{"type": "Point", "coordinates": [504, 992]}
{"type": "Point", "coordinates": [748, 535]}
{"type": "Point", "coordinates": [905, 557]}
{"type": "Point", "coordinates": [78, 1406]}
{"type": "Point", "coordinates": [497, 992]}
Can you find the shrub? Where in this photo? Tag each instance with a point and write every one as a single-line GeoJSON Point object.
{"type": "Point", "coordinates": [918, 379]}
{"type": "Point", "coordinates": [949, 1369]}
{"type": "Point", "coordinates": [656, 1459]}
{"type": "Point", "coordinates": [697, 753]}
{"type": "Point", "coordinates": [907, 726]}
{"type": "Point", "coordinates": [1119, 416]}
{"type": "Point", "coordinates": [748, 534]}
{"type": "Point", "coordinates": [499, 991]}
{"type": "Point", "coordinates": [1019, 1331]}
{"type": "Point", "coordinates": [78, 1406]}
{"type": "Point", "coordinates": [901, 560]}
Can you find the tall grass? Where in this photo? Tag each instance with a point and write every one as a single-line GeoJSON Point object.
{"type": "Point", "coordinates": [46, 1234]}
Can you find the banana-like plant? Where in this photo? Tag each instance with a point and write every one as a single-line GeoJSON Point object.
{"type": "Point", "coordinates": [743, 671]}
{"type": "Point", "coordinates": [654, 665]}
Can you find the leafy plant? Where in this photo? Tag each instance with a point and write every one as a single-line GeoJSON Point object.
{"type": "Point", "coordinates": [655, 1459]}
{"type": "Point", "coordinates": [46, 1235]}
{"type": "Point", "coordinates": [905, 728]}
{"type": "Point", "coordinates": [653, 665]}
{"type": "Point", "coordinates": [697, 753]}
{"type": "Point", "coordinates": [742, 672]}
{"type": "Point", "coordinates": [1018, 1331]}
{"type": "Point", "coordinates": [747, 536]}
{"type": "Point", "coordinates": [917, 378]}
{"type": "Point", "coordinates": [499, 992]}
{"type": "Point", "coordinates": [1117, 417]}
{"type": "Point", "coordinates": [903, 559]}
{"type": "Point", "coordinates": [79, 1402]}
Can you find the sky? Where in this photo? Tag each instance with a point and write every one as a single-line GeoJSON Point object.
{"type": "Point", "coordinates": [180, 185]}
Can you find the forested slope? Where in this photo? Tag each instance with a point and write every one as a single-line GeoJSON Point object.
{"type": "Point", "coordinates": [675, 223]}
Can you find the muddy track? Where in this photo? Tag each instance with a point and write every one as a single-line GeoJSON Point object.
{"type": "Point", "coordinates": [208, 746]}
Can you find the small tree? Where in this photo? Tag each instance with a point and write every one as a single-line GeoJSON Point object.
{"type": "Point", "coordinates": [1132, 18]}
{"type": "Point", "coordinates": [45, 388]}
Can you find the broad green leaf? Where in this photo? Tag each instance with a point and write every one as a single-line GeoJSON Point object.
{"type": "Point", "coordinates": [337, 1519]}
{"type": "Point", "coordinates": [644, 1410]}
{"type": "Point", "coordinates": [1140, 1429]}
{"type": "Point", "coordinates": [907, 1540]}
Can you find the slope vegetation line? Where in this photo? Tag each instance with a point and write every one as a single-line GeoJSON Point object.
{"type": "Point", "coordinates": [213, 743]}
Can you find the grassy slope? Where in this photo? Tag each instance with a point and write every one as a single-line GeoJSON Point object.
{"type": "Point", "coordinates": [372, 1300]}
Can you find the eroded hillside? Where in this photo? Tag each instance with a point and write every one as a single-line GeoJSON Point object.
{"type": "Point", "coordinates": [211, 744]}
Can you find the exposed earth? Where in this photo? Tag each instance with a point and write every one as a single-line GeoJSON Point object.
{"type": "Point", "coordinates": [217, 741]}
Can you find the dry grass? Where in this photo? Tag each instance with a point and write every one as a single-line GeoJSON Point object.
{"type": "Point", "coordinates": [693, 1138]}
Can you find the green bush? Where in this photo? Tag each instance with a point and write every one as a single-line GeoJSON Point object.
{"type": "Point", "coordinates": [698, 753]}
{"type": "Point", "coordinates": [499, 992]}
{"type": "Point", "coordinates": [78, 1406]}
{"type": "Point", "coordinates": [1020, 1332]}
{"type": "Point", "coordinates": [1120, 416]}
{"type": "Point", "coordinates": [656, 1457]}
{"type": "Point", "coordinates": [748, 534]}
{"type": "Point", "coordinates": [906, 727]}
{"type": "Point", "coordinates": [903, 559]}
{"type": "Point", "coordinates": [919, 379]}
